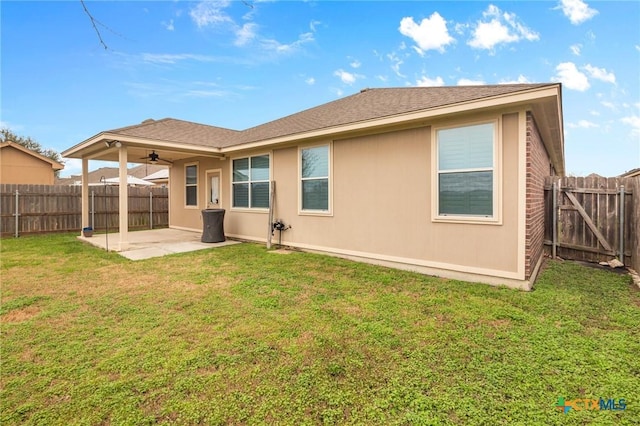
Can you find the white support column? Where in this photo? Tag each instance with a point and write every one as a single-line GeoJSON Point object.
{"type": "Point", "coordinates": [123, 196]}
{"type": "Point", "coordinates": [85, 193]}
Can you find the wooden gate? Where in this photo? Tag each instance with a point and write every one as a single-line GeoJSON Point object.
{"type": "Point", "coordinates": [591, 218]}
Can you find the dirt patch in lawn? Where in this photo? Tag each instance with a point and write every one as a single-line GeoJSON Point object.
{"type": "Point", "coordinates": [20, 315]}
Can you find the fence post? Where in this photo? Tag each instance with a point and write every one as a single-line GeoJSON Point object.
{"type": "Point", "coordinates": [622, 224]}
{"type": "Point", "coordinates": [17, 213]}
{"type": "Point", "coordinates": [555, 220]}
{"type": "Point", "coordinates": [150, 209]}
{"type": "Point", "coordinates": [93, 209]}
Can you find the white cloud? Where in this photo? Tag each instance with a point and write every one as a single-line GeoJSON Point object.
{"type": "Point", "coordinates": [395, 64]}
{"type": "Point", "coordinates": [500, 28]}
{"type": "Point", "coordinates": [600, 74]}
{"type": "Point", "coordinates": [206, 93]}
{"type": "Point", "coordinates": [576, 49]}
{"type": "Point", "coordinates": [634, 122]}
{"type": "Point", "coordinates": [425, 81]}
{"type": "Point", "coordinates": [169, 58]}
{"type": "Point", "coordinates": [274, 45]}
{"type": "Point", "coordinates": [246, 34]}
{"type": "Point", "coordinates": [313, 25]}
{"type": "Point", "coordinates": [520, 80]}
{"type": "Point", "coordinates": [168, 25]}
{"type": "Point", "coordinates": [430, 34]}
{"type": "Point", "coordinates": [583, 124]}
{"type": "Point", "coordinates": [355, 64]}
{"type": "Point", "coordinates": [469, 82]}
{"type": "Point", "coordinates": [212, 13]}
{"type": "Point", "coordinates": [346, 77]}
{"type": "Point", "coordinates": [608, 104]}
{"type": "Point", "coordinates": [72, 166]}
{"type": "Point", "coordinates": [310, 81]}
{"type": "Point", "coordinates": [577, 11]}
{"type": "Point", "coordinates": [571, 77]}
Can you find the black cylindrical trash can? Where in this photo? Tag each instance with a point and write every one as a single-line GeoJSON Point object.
{"type": "Point", "coordinates": [212, 226]}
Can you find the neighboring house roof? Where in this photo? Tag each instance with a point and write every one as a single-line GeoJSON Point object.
{"type": "Point", "coordinates": [631, 173]}
{"type": "Point", "coordinates": [110, 172]}
{"type": "Point", "coordinates": [367, 110]}
{"type": "Point", "coordinates": [54, 164]}
{"type": "Point", "coordinates": [159, 175]}
{"type": "Point", "coordinates": [131, 180]}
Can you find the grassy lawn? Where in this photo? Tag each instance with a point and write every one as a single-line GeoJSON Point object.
{"type": "Point", "coordinates": [238, 335]}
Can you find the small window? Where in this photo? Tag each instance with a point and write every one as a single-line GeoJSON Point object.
{"type": "Point", "coordinates": [250, 182]}
{"type": "Point", "coordinates": [315, 178]}
{"type": "Point", "coordinates": [191, 185]}
{"type": "Point", "coordinates": [465, 166]}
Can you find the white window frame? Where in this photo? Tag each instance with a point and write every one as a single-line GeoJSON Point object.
{"type": "Point", "coordinates": [307, 212]}
{"type": "Point", "coordinates": [231, 182]}
{"type": "Point", "coordinates": [496, 218]}
{"type": "Point", "coordinates": [208, 185]}
{"type": "Point", "coordinates": [196, 185]}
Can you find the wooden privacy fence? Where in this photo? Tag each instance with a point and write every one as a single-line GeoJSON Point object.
{"type": "Point", "coordinates": [31, 209]}
{"type": "Point", "coordinates": [593, 218]}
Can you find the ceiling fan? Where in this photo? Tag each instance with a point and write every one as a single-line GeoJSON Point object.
{"type": "Point", "coordinates": [153, 157]}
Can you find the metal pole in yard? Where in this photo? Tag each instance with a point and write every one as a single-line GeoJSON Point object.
{"type": "Point", "coordinates": [555, 220]}
{"type": "Point", "coordinates": [93, 209]}
{"type": "Point", "coordinates": [17, 213]}
{"type": "Point", "coordinates": [106, 213]}
{"type": "Point", "coordinates": [150, 209]}
{"type": "Point", "coordinates": [622, 224]}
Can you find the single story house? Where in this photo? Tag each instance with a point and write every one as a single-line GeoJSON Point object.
{"type": "Point", "coordinates": [446, 181]}
{"type": "Point", "coordinates": [20, 165]}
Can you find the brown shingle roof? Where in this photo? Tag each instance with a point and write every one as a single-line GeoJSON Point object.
{"type": "Point", "coordinates": [369, 104]}
{"type": "Point", "coordinates": [372, 104]}
{"type": "Point", "coordinates": [170, 129]}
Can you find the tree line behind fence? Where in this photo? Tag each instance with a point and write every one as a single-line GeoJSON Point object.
{"type": "Point", "coordinates": [32, 209]}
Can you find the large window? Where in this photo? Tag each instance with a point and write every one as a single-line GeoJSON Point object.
{"type": "Point", "coordinates": [250, 182]}
{"type": "Point", "coordinates": [315, 178]}
{"type": "Point", "coordinates": [191, 184]}
{"type": "Point", "coordinates": [465, 165]}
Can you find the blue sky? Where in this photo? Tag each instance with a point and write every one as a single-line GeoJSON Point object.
{"type": "Point", "coordinates": [238, 64]}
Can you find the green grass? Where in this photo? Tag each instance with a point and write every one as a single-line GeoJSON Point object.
{"type": "Point", "coordinates": [238, 335]}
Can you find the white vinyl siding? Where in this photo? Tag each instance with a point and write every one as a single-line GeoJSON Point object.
{"type": "Point", "coordinates": [250, 182]}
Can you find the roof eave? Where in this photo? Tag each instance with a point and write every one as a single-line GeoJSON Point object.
{"type": "Point", "coordinates": [95, 146]}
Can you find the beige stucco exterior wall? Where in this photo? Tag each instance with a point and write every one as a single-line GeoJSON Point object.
{"type": "Point", "coordinates": [21, 168]}
{"type": "Point", "coordinates": [381, 205]}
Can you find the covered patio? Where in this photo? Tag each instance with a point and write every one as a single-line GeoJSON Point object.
{"type": "Point", "coordinates": [152, 142]}
{"type": "Point", "coordinates": [154, 243]}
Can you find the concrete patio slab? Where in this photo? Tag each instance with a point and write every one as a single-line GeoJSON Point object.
{"type": "Point", "coordinates": [154, 243]}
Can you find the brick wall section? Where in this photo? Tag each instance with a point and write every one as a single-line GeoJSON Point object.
{"type": "Point", "coordinates": [538, 167]}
